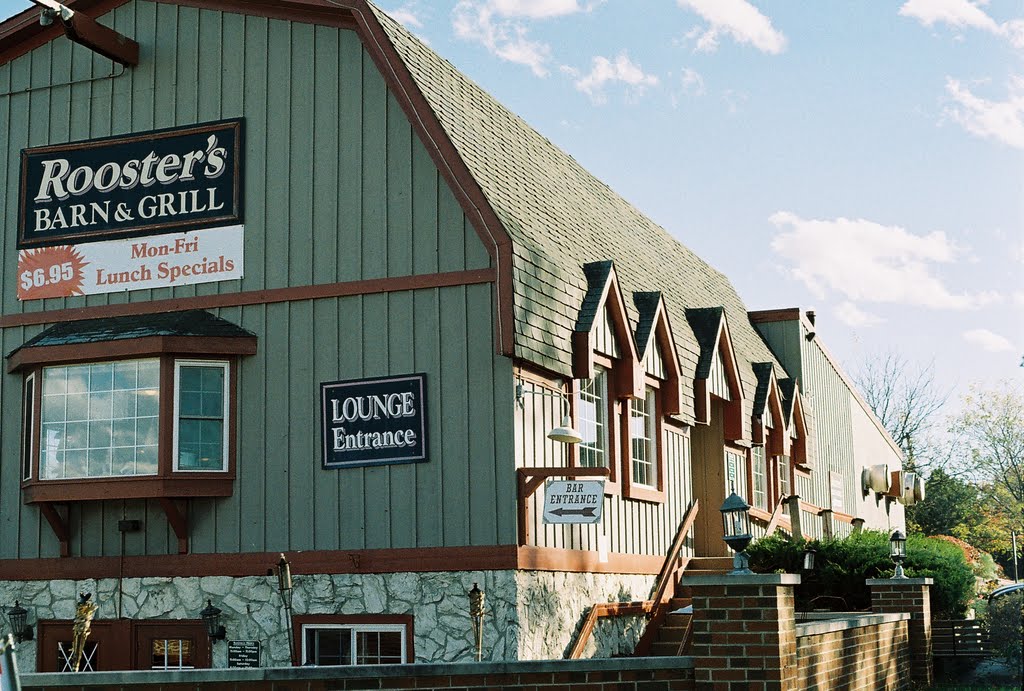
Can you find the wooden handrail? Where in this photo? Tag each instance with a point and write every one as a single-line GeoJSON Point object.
{"type": "Point", "coordinates": [529, 480]}
{"type": "Point", "coordinates": [605, 609]}
{"type": "Point", "coordinates": [669, 568]}
{"type": "Point", "coordinates": [780, 509]}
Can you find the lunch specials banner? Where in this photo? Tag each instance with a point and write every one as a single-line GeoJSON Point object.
{"type": "Point", "coordinates": [149, 210]}
{"type": "Point", "coordinates": [374, 421]}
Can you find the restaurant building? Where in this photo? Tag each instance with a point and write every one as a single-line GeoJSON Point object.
{"type": "Point", "coordinates": [278, 279]}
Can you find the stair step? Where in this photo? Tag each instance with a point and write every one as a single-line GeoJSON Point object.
{"type": "Point", "coordinates": [710, 563]}
{"type": "Point", "coordinates": [707, 572]}
{"type": "Point", "coordinates": [664, 649]}
{"type": "Point", "coordinates": [671, 634]}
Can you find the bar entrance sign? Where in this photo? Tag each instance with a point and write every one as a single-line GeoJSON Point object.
{"type": "Point", "coordinates": [573, 501]}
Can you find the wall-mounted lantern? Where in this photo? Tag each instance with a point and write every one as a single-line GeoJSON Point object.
{"type": "Point", "coordinates": [898, 552]}
{"type": "Point", "coordinates": [736, 524]}
{"type": "Point", "coordinates": [284, 587]}
{"type": "Point", "coordinates": [211, 620]}
{"type": "Point", "coordinates": [476, 614]}
{"type": "Point", "coordinates": [17, 617]}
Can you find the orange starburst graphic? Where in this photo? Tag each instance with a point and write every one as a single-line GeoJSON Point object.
{"type": "Point", "coordinates": [50, 272]}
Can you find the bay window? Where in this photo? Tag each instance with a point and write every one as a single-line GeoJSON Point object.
{"type": "Point", "coordinates": [200, 404]}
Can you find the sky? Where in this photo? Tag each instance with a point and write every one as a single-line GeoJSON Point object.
{"type": "Point", "coordinates": [861, 159]}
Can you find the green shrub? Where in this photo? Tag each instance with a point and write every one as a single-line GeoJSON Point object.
{"type": "Point", "coordinates": [843, 565]}
{"type": "Point", "coordinates": [1004, 618]}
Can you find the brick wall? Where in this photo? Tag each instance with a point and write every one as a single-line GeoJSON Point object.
{"type": "Point", "coordinates": [909, 595]}
{"type": "Point", "coordinates": [616, 674]}
{"type": "Point", "coordinates": [858, 658]}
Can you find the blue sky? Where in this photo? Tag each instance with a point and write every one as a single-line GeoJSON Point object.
{"type": "Point", "coordinates": [864, 159]}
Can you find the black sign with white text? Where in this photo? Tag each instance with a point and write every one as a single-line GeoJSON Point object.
{"type": "Point", "coordinates": [149, 183]}
{"type": "Point", "coordinates": [243, 653]}
{"type": "Point", "coordinates": [374, 421]}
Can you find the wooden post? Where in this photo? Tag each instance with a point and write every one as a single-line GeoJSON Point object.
{"type": "Point", "coordinates": [794, 517]}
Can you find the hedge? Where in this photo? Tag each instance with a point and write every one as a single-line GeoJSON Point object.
{"type": "Point", "coordinates": [842, 566]}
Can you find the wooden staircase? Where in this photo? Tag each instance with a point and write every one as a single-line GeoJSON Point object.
{"type": "Point", "coordinates": [669, 631]}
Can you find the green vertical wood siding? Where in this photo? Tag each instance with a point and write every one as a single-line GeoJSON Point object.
{"type": "Point", "coordinates": [338, 187]}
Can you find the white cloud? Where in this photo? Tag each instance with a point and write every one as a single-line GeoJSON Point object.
{"type": "Point", "coordinates": [957, 13]}
{"type": "Point", "coordinates": [864, 261]}
{"type": "Point", "coordinates": [988, 341]}
{"type": "Point", "coordinates": [693, 83]}
{"type": "Point", "coordinates": [962, 14]}
{"type": "Point", "coordinates": [405, 15]}
{"type": "Point", "coordinates": [604, 71]}
{"type": "Point", "coordinates": [476, 21]}
{"type": "Point", "coordinates": [534, 9]}
{"type": "Point", "coordinates": [497, 25]}
{"type": "Point", "coordinates": [736, 18]}
{"type": "Point", "coordinates": [1002, 121]}
{"type": "Point", "coordinates": [851, 315]}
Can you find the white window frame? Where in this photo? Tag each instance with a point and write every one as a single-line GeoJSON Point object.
{"type": "Point", "coordinates": [601, 406]}
{"type": "Point", "coordinates": [650, 401]}
{"type": "Point", "coordinates": [28, 425]}
{"type": "Point", "coordinates": [758, 463]}
{"type": "Point", "coordinates": [401, 629]}
{"type": "Point", "coordinates": [226, 366]}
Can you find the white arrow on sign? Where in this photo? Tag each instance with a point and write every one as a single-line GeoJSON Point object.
{"type": "Point", "coordinates": [573, 501]}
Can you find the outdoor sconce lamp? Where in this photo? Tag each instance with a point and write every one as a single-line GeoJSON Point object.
{"type": "Point", "coordinates": [736, 524]}
{"type": "Point", "coordinates": [211, 620]}
{"type": "Point", "coordinates": [284, 587]}
{"type": "Point", "coordinates": [809, 555]}
{"type": "Point", "coordinates": [476, 613]}
{"type": "Point", "coordinates": [898, 552]}
{"type": "Point", "coordinates": [565, 432]}
{"type": "Point", "coordinates": [17, 617]}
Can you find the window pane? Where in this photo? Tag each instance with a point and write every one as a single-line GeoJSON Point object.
{"type": "Point", "coordinates": [378, 647]}
{"type": "Point", "coordinates": [148, 402]}
{"type": "Point", "coordinates": [201, 417]}
{"type": "Point", "coordinates": [759, 471]}
{"type": "Point", "coordinates": [643, 444]}
{"type": "Point", "coordinates": [89, 414]}
{"type": "Point", "coordinates": [328, 646]}
{"type": "Point", "coordinates": [592, 414]}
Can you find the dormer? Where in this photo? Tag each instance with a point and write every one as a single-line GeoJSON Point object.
{"type": "Point", "coordinates": [602, 329]}
{"type": "Point", "coordinates": [717, 374]}
{"type": "Point", "coordinates": [796, 423]}
{"type": "Point", "coordinates": [768, 426]}
{"type": "Point", "coordinates": [657, 350]}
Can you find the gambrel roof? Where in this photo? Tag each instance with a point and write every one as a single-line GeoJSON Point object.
{"type": "Point", "coordinates": [560, 217]}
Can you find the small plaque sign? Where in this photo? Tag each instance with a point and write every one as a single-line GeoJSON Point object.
{"type": "Point", "coordinates": [374, 421]}
{"type": "Point", "coordinates": [243, 653]}
{"type": "Point", "coordinates": [573, 501]}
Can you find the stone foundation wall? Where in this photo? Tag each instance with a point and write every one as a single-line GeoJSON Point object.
{"type": "Point", "coordinates": [531, 615]}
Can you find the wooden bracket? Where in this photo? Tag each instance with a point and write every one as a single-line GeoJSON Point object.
{"type": "Point", "coordinates": [528, 480]}
{"type": "Point", "coordinates": [110, 44]}
{"type": "Point", "coordinates": [59, 524]}
{"type": "Point", "coordinates": [178, 521]}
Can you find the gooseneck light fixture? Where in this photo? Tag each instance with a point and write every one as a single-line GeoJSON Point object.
{"type": "Point", "coordinates": [565, 432]}
{"type": "Point", "coordinates": [898, 552]}
{"type": "Point", "coordinates": [476, 614]}
{"type": "Point", "coordinates": [17, 617]}
{"type": "Point", "coordinates": [736, 532]}
{"type": "Point", "coordinates": [211, 620]}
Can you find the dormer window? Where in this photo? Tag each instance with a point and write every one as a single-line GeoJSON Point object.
{"type": "Point", "coordinates": [592, 419]}
{"type": "Point", "coordinates": [643, 439]}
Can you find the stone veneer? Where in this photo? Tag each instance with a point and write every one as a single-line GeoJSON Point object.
{"type": "Point", "coordinates": [531, 615]}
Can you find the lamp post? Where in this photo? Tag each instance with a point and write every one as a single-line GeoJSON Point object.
{"type": "Point", "coordinates": [736, 525]}
{"type": "Point", "coordinates": [476, 614]}
{"type": "Point", "coordinates": [211, 620]}
{"type": "Point", "coordinates": [809, 554]}
{"type": "Point", "coordinates": [17, 617]}
{"type": "Point", "coordinates": [898, 552]}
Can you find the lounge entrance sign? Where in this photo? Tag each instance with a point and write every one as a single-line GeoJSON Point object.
{"type": "Point", "coordinates": [573, 501]}
{"type": "Point", "coordinates": [374, 421]}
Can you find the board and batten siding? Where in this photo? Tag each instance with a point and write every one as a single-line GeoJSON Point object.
{"type": "Point", "coordinates": [629, 526]}
{"type": "Point", "coordinates": [337, 188]}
